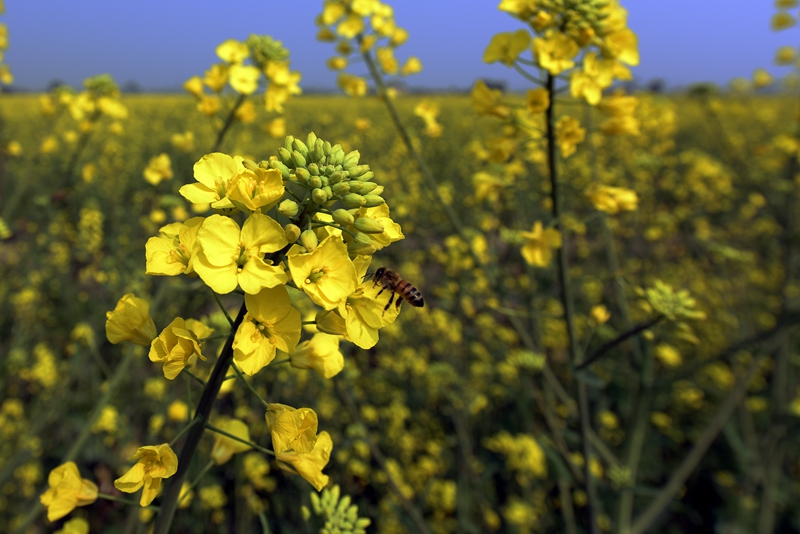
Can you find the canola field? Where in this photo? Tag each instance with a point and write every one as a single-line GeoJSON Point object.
{"type": "Point", "coordinates": [195, 335]}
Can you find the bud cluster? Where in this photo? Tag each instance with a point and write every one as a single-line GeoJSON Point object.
{"type": "Point", "coordinates": [340, 515]}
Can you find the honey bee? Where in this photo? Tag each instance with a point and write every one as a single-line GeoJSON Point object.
{"type": "Point", "coordinates": [391, 280]}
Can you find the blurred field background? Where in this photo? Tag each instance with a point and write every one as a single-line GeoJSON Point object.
{"type": "Point", "coordinates": [464, 417]}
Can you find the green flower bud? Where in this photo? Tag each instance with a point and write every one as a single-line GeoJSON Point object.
{"type": "Point", "coordinates": [326, 148]}
{"type": "Point", "coordinates": [344, 504]}
{"type": "Point", "coordinates": [343, 217]}
{"type": "Point", "coordinates": [363, 522]}
{"type": "Point", "coordinates": [314, 181]}
{"type": "Point", "coordinates": [371, 201]}
{"type": "Point", "coordinates": [287, 143]}
{"type": "Point", "coordinates": [313, 168]}
{"type": "Point", "coordinates": [341, 189]}
{"type": "Point", "coordinates": [351, 159]}
{"type": "Point", "coordinates": [362, 238]}
{"type": "Point", "coordinates": [305, 513]}
{"type": "Point", "coordinates": [286, 157]}
{"type": "Point", "coordinates": [319, 196]}
{"type": "Point", "coordinates": [302, 174]}
{"type": "Point", "coordinates": [368, 187]}
{"type": "Point", "coordinates": [292, 232]}
{"type": "Point", "coordinates": [355, 186]}
{"type": "Point", "coordinates": [300, 147]}
{"type": "Point", "coordinates": [309, 240]}
{"type": "Point", "coordinates": [250, 165]}
{"type": "Point", "coordinates": [353, 200]}
{"type": "Point", "coordinates": [337, 155]}
{"type": "Point", "coordinates": [368, 226]}
{"type": "Point", "coordinates": [328, 191]}
{"type": "Point", "coordinates": [367, 176]}
{"type": "Point", "coordinates": [264, 164]}
{"type": "Point", "coordinates": [358, 170]}
{"type": "Point", "coordinates": [360, 249]}
{"type": "Point", "coordinates": [315, 502]}
{"type": "Point", "coordinates": [329, 170]}
{"type": "Point", "coordinates": [337, 176]}
{"type": "Point", "coordinates": [298, 159]}
{"type": "Point", "coordinates": [275, 164]}
{"type": "Point", "coordinates": [325, 180]}
{"type": "Point", "coordinates": [378, 190]}
{"type": "Point", "coordinates": [288, 208]}
{"type": "Point", "coordinates": [311, 140]}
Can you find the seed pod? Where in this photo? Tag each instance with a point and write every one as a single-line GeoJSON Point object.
{"type": "Point", "coordinates": [288, 208]}
{"type": "Point", "coordinates": [298, 159]}
{"type": "Point", "coordinates": [309, 240]}
{"type": "Point", "coordinates": [353, 200]}
{"type": "Point", "coordinates": [371, 201]}
{"type": "Point", "coordinates": [320, 196]}
{"type": "Point", "coordinates": [343, 217]}
{"type": "Point", "coordinates": [292, 232]}
{"type": "Point", "coordinates": [368, 226]}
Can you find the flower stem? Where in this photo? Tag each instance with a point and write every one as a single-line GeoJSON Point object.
{"type": "Point", "coordinates": [221, 307]}
{"type": "Point", "coordinates": [257, 447]}
{"type": "Point", "coordinates": [197, 378]}
{"type": "Point", "coordinates": [248, 384]}
{"type": "Point", "coordinates": [170, 502]}
{"type": "Point", "coordinates": [124, 501]}
{"type": "Point", "coordinates": [182, 432]}
{"type": "Point", "coordinates": [228, 122]}
{"type": "Point", "coordinates": [196, 480]}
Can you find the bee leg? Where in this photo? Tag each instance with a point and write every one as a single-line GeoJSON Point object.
{"type": "Point", "coordinates": [398, 303]}
{"type": "Point", "coordinates": [379, 292]}
{"type": "Point", "coordinates": [391, 298]}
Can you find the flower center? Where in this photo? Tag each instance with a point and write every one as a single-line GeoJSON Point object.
{"type": "Point", "coordinates": [316, 275]}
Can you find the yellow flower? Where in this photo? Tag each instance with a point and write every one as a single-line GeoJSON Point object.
{"type": "Point", "coordinates": [130, 321]}
{"type": "Point", "coordinates": [233, 51]}
{"type": "Point", "coordinates": [668, 355]}
{"type": "Point", "coordinates": [387, 61]}
{"type": "Point", "coordinates": [555, 52]}
{"type": "Point", "coordinates": [183, 142]}
{"type": "Point", "coordinates": [321, 353]}
{"type": "Point", "coordinates": [309, 465]}
{"type": "Point", "coordinates": [326, 274]}
{"type": "Point", "coordinates": [352, 85]}
{"type": "Point", "coordinates": [158, 170]}
{"type": "Point", "coordinates": [229, 256]}
{"type": "Point", "coordinates": [762, 78]}
{"type": "Point", "coordinates": [590, 82]}
{"type": "Point", "coordinates": [412, 66]}
{"type": "Point", "coordinates": [67, 491]}
{"type": "Point", "coordinates": [194, 86]}
{"type": "Point", "coordinates": [782, 20]}
{"type": "Point", "coordinates": [246, 113]}
{"type": "Point", "coordinates": [208, 105]}
{"type": "Point", "coordinates": [620, 126]}
{"type": "Point", "coordinates": [488, 101]}
{"type": "Point", "coordinates": [212, 172]}
{"type": "Point", "coordinates": [600, 314]}
{"type": "Point", "coordinates": [172, 253]}
{"type": "Point", "coordinates": [365, 312]}
{"type": "Point", "coordinates": [244, 78]}
{"type": "Point", "coordinates": [76, 525]}
{"type": "Point", "coordinates": [276, 128]}
{"type": "Point", "coordinates": [351, 26]}
{"type": "Point", "coordinates": [619, 105]}
{"type": "Point", "coordinates": [568, 134]}
{"type": "Point", "coordinates": [612, 200]}
{"type": "Point", "coordinates": [539, 245]}
{"type": "Point", "coordinates": [522, 9]}
{"type": "Point", "coordinates": [255, 188]}
{"type": "Point", "coordinates": [537, 100]}
{"type": "Point", "coordinates": [156, 462]}
{"type": "Point", "coordinates": [225, 447]}
{"type": "Point", "coordinates": [785, 55]}
{"type": "Point", "coordinates": [624, 46]}
{"type": "Point", "coordinates": [291, 428]}
{"type": "Point", "coordinates": [392, 232]}
{"type": "Point", "coordinates": [506, 47]}
{"type": "Point", "coordinates": [174, 347]}
{"type": "Point", "coordinates": [336, 63]}
{"type": "Point", "coordinates": [216, 77]}
{"type": "Point", "coordinates": [271, 324]}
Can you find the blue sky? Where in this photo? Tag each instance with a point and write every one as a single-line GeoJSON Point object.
{"type": "Point", "coordinates": [159, 44]}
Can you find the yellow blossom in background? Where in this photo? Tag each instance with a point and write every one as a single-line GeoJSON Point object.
{"type": "Point", "coordinates": [49, 144]}
{"type": "Point", "coordinates": [292, 428]}
{"type": "Point", "coordinates": [785, 55]}
{"type": "Point", "coordinates": [620, 126]}
{"type": "Point", "coordinates": [352, 85]}
{"type": "Point", "coordinates": [412, 66]}
{"type": "Point", "coordinates": [618, 105]}
{"type": "Point", "coordinates": [321, 353]}
{"type": "Point", "coordinates": [337, 63]}
{"type": "Point", "coordinates": [488, 101]}
{"type": "Point", "coordinates": [172, 253]}
{"type": "Point", "coordinates": [130, 321]}
{"type": "Point", "coordinates": [429, 111]}
{"type": "Point", "coordinates": [782, 21]}
{"type": "Point", "coordinates": [173, 347]}
{"type": "Point", "coordinates": [233, 51]}
{"type": "Point", "coordinates": [591, 80]}
{"type": "Point", "coordinates": [67, 491]}
{"type": "Point", "coordinates": [194, 86]}
{"type": "Point", "coordinates": [216, 77]}
{"type": "Point", "coordinates": [600, 314]}
{"type": "Point", "coordinates": [762, 78]}
{"type": "Point", "coordinates": [244, 78]}
{"type": "Point", "coordinates": [612, 200]}
{"type": "Point", "coordinates": [183, 141]}
{"type": "Point", "coordinates": [158, 170]}
{"type": "Point", "coordinates": [76, 525]}
{"type": "Point", "coordinates": [362, 124]}
{"type": "Point", "coordinates": [555, 52]}
{"type": "Point", "coordinates": [623, 45]}
{"type": "Point", "coordinates": [230, 256]}
{"type": "Point", "coordinates": [178, 411]}
{"type": "Point", "coordinates": [209, 105]}
{"type": "Point", "coordinates": [276, 128]}
{"type": "Point", "coordinates": [537, 100]}
{"type": "Point", "coordinates": [326, 274]}
{"type": "Point", "coordinates": [539, 244]}
{"type": "Point", "coordinates": [155, 463]}
{"type": "Point", "coordinates": [387, 61]}
{"type": "Point", "coordinates": [568, 134]}
{"type": "Point", "coordinates": [225, 447]}
{"type": "Point", "coordinates": [309, 465]}
{"type": "Point", "coordinates": [668, 355]}
{"type": "Point", "coordinates": [14, 149]}
{"type": "Point", "coordinates": [271, 324]}
{"type": "Point", "coordinates": [246, 113]}
{"type": "Point", "coordinates": [506, 47]}
{"type": "Point", "coordinates": [523, 454]}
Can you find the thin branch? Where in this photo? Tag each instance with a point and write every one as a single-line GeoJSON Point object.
{"type": "Point", "coordinates": [599, 353]}
{"type": "Point", "coordinates": [256, 446]}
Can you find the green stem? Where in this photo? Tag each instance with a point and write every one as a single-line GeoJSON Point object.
{"type": "Point", "coordinates": [182, 432]}
{"type": "Point", "coordinates": [197, 378]}
{"type": "Point", "coordinates": [567, 303]}
{"type": "Point", "coordinates": [257, 447]}
{"type": "Point", "coordinates": [124, 501]}
{"type": "Point", "coordinates": [248, 385]}
{"type": "Point", "coordinates": [196, 480]}
{"type": "Point", "coordinates": [221, 307]}
{"type": "Point", "coordinates": [228, 122]}
{"type": "Point", "coordinates": [170, 501]}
